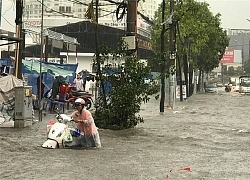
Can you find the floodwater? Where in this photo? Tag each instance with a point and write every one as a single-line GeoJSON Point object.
{"type": "Point", "coordinates": [208, 133]}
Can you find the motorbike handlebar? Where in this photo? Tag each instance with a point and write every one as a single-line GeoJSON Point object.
{"type": "Point", "coordinates": [63, 118]}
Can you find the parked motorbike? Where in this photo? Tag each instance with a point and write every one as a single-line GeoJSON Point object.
{"type": "Point", "coordinates": [59, 135]}
{"type": "Point", "coordinates": [84, 95]}
{"type": "Point", "coordinates": [227, 88]}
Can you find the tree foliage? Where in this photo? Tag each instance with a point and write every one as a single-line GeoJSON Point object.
{"type": "Point", "coordinates": [198, 34]}
{"type": "Point", "coordinates": [125, 89]}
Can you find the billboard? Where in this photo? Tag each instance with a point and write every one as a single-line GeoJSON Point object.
{"type": "Point", "coordinates": [8, 15]}
{"type": "Point", "coordinates": [178, 92]}
{"type": "Point", "coordinates": [228, 56]}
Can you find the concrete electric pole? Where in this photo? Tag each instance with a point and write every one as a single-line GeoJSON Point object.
{"type": "Point", "coordinates": [132, 17]}
{"type": "Point", "coordinates": [163, 58]}
{"type": "Point", "coordinates": [41, 59]}
{"type": "Point", "coordinates": [18, 51]}
{"type": "Point", "coordinates": [132, 21]}
{"type": "Point", "coordinates": [172, 59]}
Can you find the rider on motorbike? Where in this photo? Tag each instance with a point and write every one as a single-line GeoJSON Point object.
{"type": "Point", "coordinates": [86, 124]}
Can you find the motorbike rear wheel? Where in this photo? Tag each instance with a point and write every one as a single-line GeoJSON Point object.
{"type": "Point", "coordinates": [88, 103]}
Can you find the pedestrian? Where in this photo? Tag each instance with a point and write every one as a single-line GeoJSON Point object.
{"type": "Point", "coordinates": [86, 124]}
{"type": "Point", "coordinates": [56, 86]}
{"type": "Point", "coordinates": [39, 83]}
{"type": "Point", "coordinates": [78, 83]}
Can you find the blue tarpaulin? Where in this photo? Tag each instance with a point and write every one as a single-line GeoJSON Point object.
{"type": "Point", "coordinates": [51, 70]}
{"type": "Point", "coordinates": [31, 70]}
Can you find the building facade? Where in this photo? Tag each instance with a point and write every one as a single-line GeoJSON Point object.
{"type": "Point", "coordinates": [58, 13]}
{"type": "Point", "coordinates": [33, 8]}
{"type": "Point", "coordinates": [61, 12]}
{"type": "Point", "coordinates": [240, 40]}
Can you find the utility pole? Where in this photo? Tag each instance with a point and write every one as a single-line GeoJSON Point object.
{"type": "Point", "coordinates": [23, 43]}
{"type": "Point", "coordinates": [163, 67]}
{"type": "Point", "coordinates": [97, 39]}
{"type": "Point", "coordinates": [41, 59]}
{"type": "Point", "coordinates": [100, 82]}
{"type": "Point", "coordinates": [132, 20]}
{"type": "Point", "coordinates": [172, 57]}
{"type": "Point", "coordinates": [18, 52]}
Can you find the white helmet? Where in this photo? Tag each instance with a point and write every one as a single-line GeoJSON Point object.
{"type": "Point", "coordinates": [79, 101]}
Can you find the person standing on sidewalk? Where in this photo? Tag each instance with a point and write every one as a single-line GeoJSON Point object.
{"type": "Point", "coordinates": [78, 83]}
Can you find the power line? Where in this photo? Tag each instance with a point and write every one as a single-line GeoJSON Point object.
{"type": "Point", "coordinates": [7, 21]}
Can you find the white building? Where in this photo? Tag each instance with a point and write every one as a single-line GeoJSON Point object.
{"type": "Point", "coordinates": [64, 8]}
{"type": "Point", "coordinates": [62, 12]}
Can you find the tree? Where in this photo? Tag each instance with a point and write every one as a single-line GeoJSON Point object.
{"type": "Point", "coordinates": [201, 41]}
{"type": "Point", "coordinates": [247, 67]}
{"type": "Point", "coordinates": [231, 71]}
{"type": "Point", "coordinates": [126, 90]}
{"type": "Point", "coordinates": [239, 70]}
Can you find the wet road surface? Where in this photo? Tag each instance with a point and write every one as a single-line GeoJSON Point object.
{"type": "Point", "coordinates": [210, 133]}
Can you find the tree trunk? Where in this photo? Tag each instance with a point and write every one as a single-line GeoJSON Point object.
{"type": "Point", "coordinates": [190, 84]}
{"type": "Point", "coordinates": [180, 75]}
{"type": "Point", "coordinates": [185, 69]}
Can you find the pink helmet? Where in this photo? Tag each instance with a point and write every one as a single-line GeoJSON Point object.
{"type": "Point", "coordinates": [80, 101]}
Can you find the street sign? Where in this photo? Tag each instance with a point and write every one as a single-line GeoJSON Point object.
{"type": "Point", "coordinates": [178, 93]}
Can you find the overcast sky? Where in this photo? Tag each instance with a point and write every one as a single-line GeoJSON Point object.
{"type": "Point", "coordinates": [234, 13]}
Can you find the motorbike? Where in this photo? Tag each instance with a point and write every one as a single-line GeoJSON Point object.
{"type": "Point", "coordinates": [81, 94]}
{"type": "Point", "coordinates": [59, 135]}
{"type": "Point", "coordinates": [227, 88]}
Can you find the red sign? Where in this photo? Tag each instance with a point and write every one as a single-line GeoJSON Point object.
{"type": "Point", "coordinates": [228, 57]}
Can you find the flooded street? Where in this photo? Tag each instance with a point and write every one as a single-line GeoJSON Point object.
{"type": "Point", "coordinates": [210, 133]}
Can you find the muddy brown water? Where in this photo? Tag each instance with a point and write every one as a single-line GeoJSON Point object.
{"type": "Point", "coordinates": [208, 133]}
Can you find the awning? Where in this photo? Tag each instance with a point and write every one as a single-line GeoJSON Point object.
{"type": "Point", "coordinates": [34, 65]}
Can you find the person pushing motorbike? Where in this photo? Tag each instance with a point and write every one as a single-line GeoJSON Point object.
{"type": "Point", "coordinates": [86, 124]}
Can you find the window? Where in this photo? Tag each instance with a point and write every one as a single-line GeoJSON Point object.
{"type": "Point", "coordinates": [68, 9]}
{"type": "Point", "coordinates": [61, 9]}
